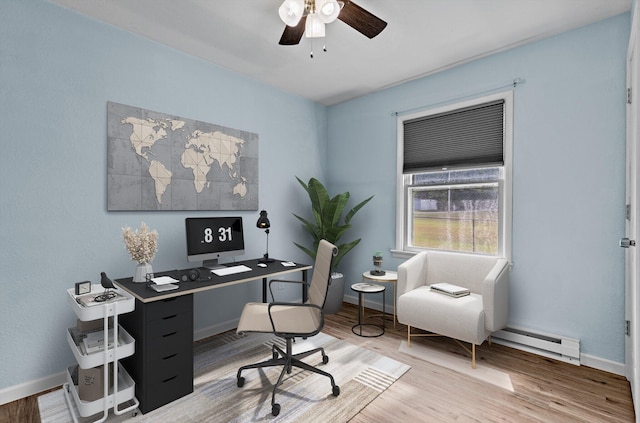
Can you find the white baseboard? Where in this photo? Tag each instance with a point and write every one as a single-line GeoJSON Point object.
{"type": "Point", "coordinates": [603, 364]}
{"type": "Point", "coordinates": [33, 387]}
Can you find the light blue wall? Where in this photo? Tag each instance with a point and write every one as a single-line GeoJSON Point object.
{"type": "Point", "coordinates": [569, 164]}
{"type": "Point", "coordinates": [58, 69]}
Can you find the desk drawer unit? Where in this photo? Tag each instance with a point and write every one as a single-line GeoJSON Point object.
{"type": "Point", "coordinates": [162, 365]}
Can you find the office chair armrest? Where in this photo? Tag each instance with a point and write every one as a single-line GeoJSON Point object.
{"type": "Point", "coordinates": [317, 329]}
{"type": "Point", "coordinates": [285, 281]}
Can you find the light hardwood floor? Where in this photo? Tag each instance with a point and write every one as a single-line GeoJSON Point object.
{"type": "Point", "coordinates": [545, 390]}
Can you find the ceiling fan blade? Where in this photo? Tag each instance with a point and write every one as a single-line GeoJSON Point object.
{"type": "Point", "coordinates": [362, 21]}
{"type": "Point", "coordinates": [293, 34]}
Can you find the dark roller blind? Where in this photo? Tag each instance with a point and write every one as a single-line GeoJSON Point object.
{"type": "Point", "coordinates": [462, 137]}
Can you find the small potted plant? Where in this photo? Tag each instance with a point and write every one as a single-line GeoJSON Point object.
{"type": "Point", "coordinates": [377, 264]}
{"type": "Point", "coordinates": [142, 245]}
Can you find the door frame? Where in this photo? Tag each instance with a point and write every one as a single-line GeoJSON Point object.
{"type": "Point", "coordinates": [632, 222]}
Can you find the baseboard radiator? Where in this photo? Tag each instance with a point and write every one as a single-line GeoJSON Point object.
{"type": "Point", "coordinates": [552, 346]}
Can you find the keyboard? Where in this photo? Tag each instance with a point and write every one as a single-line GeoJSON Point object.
{"type": "Point", "coordinates": [231, 270]}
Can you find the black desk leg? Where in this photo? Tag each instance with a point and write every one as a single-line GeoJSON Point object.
{"type": "Point", "coordinates": [305, 287]}
{"type": "Point", "coordinates": [264, 290]}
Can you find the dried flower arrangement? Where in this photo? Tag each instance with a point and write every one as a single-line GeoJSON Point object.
{"type": "Point", "coordinates": [141, 244]}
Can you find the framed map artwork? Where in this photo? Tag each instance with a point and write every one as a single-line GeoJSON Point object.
{"type": "Point", "coordinates": [157, 161]}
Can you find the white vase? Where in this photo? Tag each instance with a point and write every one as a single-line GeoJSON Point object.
{"type": "Point", "coordinates": [141, 272]}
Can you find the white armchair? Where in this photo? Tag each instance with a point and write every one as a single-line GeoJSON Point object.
{"type": "Point", "coordinates": [471, 318]}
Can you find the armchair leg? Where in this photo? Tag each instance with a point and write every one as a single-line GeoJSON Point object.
{"type": "Point", "coordinates": [408, 336]}
{"type": "Point", "coordinates": [473, 355]}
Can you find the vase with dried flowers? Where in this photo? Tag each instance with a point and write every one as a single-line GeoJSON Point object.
{"type": "Point", "coordinates": [142, 245]}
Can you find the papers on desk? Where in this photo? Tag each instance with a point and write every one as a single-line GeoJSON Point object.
{"type": "Point", "coordinates": [164, 287]}
{"type": "Point", "coordinates": [163, 280]}
{"type": "Point", "coordinates": [163, 283]}
{"type": "Point", "coordinates": [288, 264]}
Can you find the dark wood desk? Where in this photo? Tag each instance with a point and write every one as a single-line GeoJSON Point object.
{"type": "Point", "coordinates": [162, 325]}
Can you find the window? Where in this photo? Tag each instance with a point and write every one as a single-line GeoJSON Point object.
{"type": "Point", "coordinates": [454, 178]}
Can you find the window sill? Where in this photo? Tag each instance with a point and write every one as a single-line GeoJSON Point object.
{"type": "Point", "coordinates": [403, 254]}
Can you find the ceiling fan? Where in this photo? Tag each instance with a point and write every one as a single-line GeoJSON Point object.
{"type": "Point", "coordinates": [310, 16]}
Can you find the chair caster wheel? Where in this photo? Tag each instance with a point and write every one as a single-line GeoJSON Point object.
{"type": "Point", "coordinates": [240, 382]}
{"type": "Point", "coordinates": [275, 355]}
{"type": "Point", "coordinates": [275, 410]}
{"type": "Point", "coordinates": [325, 359]}
{"type": "Point", "coordinates": [336, 391]}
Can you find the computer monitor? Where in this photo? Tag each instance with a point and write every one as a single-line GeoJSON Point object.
{"type": "Point", "coordinates": [211, 238]}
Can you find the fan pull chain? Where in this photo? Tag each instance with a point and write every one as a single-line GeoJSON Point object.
{"type": "Point", "coordinates": [324, 47]}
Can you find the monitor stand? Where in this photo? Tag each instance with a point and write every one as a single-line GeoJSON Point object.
{"type": "Point", "coordinates": [212, 264]}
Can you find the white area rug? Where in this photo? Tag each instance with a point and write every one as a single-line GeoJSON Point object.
{"type": "Point", "coordinates": [361, 374]}
{"type": "Point", "coordinates": [458, 364]}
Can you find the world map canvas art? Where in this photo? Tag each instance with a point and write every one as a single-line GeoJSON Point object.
{"type": "Point", "coordinates": [157, 161]}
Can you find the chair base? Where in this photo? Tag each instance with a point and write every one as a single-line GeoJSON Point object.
{"type": "Point", "coordinates": [471, 351]}
{"type": "Point", "coordinates": [288, 360]}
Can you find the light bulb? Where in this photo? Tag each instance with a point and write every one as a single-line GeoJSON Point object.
{"type": "Point", "coordinates": [291, 11]}
{"type": "Point", "coordinates": [327, 10]}
{"type": "Point", "coordinates": [314, 27]}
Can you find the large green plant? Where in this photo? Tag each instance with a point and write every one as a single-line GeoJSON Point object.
{"type": "Point", "coordinates": [327, 214]}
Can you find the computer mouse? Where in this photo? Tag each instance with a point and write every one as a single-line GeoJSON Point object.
{"type": "Point", "coordinates": [262, 265]}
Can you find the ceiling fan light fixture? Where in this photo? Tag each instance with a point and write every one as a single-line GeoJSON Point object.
{"type": "Point", "coordinates": [327, 10]}
{"type": "Point", "coordinates": [291, 11]}
{"type": "Point", "coordinates": [314, 27]}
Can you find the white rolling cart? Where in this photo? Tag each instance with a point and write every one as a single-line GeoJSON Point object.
{"type": "Point", "coordinates": [120, 390]}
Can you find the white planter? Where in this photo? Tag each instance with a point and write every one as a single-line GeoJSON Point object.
{"type": "Point", "coordinates": [335, 296]}
{"type": "Point", "coordinates": [141, 272]}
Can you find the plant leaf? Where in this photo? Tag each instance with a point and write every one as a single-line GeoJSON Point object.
{"type": "Point", "coordinates": [306, 251]}
{"type": "Point", "coordinates": [319, 198]}
{"type": "Point", "coordinates": [344, 249]}
{"type": "Point", "coordinates": [354, 210]}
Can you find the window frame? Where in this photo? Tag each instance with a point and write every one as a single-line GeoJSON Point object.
{"type": "Point", "coordinates": [403, 212]}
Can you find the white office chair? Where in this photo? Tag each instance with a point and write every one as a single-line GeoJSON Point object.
{"type": "Point", "coordinates": [292, 320]}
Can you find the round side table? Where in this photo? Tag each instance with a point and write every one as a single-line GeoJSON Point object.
{"type": "Point", "coordinates": [368, 288]}
{"type": "Point", "coordinates": [388, 277]}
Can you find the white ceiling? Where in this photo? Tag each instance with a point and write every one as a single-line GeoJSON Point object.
{"type": "Point", "coordinates": [422, 37]}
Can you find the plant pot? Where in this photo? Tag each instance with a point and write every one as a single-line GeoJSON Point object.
{"type": "Point", "coordinates": [141, 272]}
{"type": "Point", "coordinates": [333, 302]}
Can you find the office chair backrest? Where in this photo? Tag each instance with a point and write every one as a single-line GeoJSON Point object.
{"type": "Point", "coordinates": [321, 273]}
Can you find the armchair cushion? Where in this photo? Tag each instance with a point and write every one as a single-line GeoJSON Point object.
{"type": "Point", "coordinates": [460, 318]}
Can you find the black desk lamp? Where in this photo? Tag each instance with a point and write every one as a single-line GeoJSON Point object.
{"type": "Point", "coordinates": [263, 222]}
